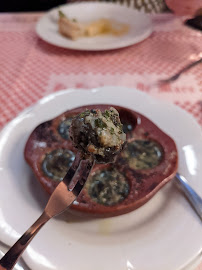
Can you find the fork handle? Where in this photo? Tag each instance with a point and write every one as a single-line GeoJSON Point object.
{"type": "Point", "coordinates": [10, 258]}
{"type": "Point", "coordinates": [192, 196]}
{"type": "Point", "coordinates": [190, 66]}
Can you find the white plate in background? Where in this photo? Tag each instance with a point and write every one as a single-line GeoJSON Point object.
{"type": "Point", "coordinates": [165, 233]}
{"type": "Point", "coordinates": [140, 26]}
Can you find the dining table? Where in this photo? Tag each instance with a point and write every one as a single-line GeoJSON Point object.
{"type": "Point", "coordinates": [31, 68]}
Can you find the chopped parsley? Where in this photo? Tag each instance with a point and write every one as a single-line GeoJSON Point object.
{"type": "Point", "coordinates": [61, 14]}
{"type": "Point", "coordinates": [84, 114]}
{"type": "Point", "coordinates": [99, 123]}
{"type": "Point", "coordinates": [112, 130]}
{"type": "Point", "coordinates": [106, 114]}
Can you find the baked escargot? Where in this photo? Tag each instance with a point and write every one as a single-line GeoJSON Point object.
{"type": "Point", "coordinates": [148, 161]}
{"type": "Point", "coordinates": [98, 135]}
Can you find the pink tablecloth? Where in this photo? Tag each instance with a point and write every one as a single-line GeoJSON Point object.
{"type": "Point", "coordinates": [31, 68]}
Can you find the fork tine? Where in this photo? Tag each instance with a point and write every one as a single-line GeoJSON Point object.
{"type": "Point", "coordinates": [171, 79]}
{"type": "Point", "coordinates": [81, 176]}
{"type": "Point", "coordinates": [67, 190]}
{"type": "Point", "coordinates": [72, 170]}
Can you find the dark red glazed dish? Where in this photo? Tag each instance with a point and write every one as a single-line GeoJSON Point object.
{"type": "Point", "coordinates": [148, 162]}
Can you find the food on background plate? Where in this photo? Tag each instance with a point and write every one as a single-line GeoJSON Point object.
{"type": "Point", "coordinates": [98, 135]}
{"type": "Point", "coordinates": [147, 162]}
{"type": "Point", "coordinates": [73, 29]}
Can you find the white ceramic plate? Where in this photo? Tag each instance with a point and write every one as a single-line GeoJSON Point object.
{"type": "Point", "coordinates": [163, 234]}
{"type": "Point", "coordinates": [139, 26]}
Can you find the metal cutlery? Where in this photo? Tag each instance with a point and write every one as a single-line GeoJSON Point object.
{"type": "Point", "coordinates": [192, 196]}
{"type": "Point", "coordinates": [178, 74]}
{"type": "Point", "coordinates": [62, 197]}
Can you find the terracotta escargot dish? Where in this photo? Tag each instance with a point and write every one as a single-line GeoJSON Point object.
{"type": "Point", "coordinates": [148, 161]}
